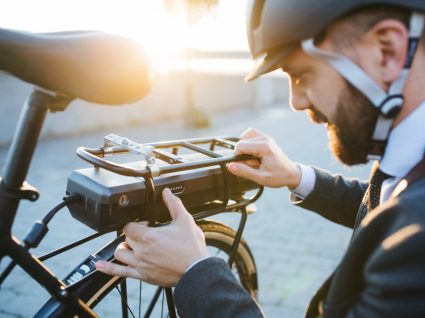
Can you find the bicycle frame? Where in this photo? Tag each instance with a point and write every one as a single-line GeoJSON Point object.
{"type": "Point", "coordinates": [13, 189]}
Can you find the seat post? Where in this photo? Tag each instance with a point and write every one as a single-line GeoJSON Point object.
{"type": "Point", "coordinates": [21, 151]}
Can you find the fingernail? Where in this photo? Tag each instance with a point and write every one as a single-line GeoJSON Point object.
{"type": "Point", "coordinates": [100, 265]}
{"type": "Point", "coordinates": [167, 191]}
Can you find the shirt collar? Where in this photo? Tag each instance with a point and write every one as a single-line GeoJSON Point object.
{"type": "Point", "coordinates": [406, 144]}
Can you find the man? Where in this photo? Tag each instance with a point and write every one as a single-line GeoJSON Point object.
{"type": "Point", "coordinates": [358, 67]}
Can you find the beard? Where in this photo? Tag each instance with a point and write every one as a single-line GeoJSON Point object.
{"type": "Point", "coordinates": [351, 132]}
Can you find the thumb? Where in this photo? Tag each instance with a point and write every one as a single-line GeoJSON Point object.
{"type": "Point", "coordinates": [174, 205]}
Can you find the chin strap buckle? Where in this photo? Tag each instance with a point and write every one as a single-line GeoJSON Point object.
{"type": "Point", "coordinates": [391, 106]}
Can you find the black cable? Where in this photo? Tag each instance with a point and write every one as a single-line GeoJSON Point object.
{"type": "Point", "coordinates": [38, 232]}
{"type": "Point", "coordinates": [238, 237]}
{"type": "Point", "coordinates": [66, 200]}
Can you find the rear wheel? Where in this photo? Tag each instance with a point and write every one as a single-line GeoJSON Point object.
{"type": "Point", "coordinates": [106, 293]}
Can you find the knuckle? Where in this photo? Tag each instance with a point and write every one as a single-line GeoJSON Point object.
{"type": "Point", "coordinates": [265, 148]}
{"type": "Point", "coordinates": [139, 253]}
{"type": "Point", "coordinates": [128, 229]}
{"type": "Point", "coordinates": [137, 236]}
{"type": "Point", "coordinates": [128, 241]}
{"type": "Point", "coordinates": [147, 236]}
{"type": "Point", "coordinates": [117, 254]}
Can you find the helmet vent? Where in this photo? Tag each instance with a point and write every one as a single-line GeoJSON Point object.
{"type": "Point", "coordinates": [257, 12]}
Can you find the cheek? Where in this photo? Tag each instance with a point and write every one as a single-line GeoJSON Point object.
{"type": "Point", "coordinates": [324, 97]}
{"type": "Point", "coordinates": [371, 61]}
{"type": "Point", "coordinates": [326, 91]}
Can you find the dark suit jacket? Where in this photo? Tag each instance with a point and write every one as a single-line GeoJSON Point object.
{"type": "Point", "coordinates": [381, 275]}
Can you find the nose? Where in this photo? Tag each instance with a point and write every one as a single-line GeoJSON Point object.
{"type": "Point", "coordinates": [298, 98]}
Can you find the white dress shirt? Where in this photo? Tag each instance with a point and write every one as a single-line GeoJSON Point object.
{"type": "Point", "coordinates": [405, 148]}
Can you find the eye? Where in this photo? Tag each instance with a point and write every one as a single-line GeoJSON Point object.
{"type": "Point", "coordinates": [296, 79]}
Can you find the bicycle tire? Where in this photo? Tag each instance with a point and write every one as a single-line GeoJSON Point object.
{"type": "Point", "coordinates": [217, 235]}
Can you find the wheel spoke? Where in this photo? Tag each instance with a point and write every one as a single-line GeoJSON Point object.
{"type": "Point", "coordinates": [140, 298]}
{"type": "Point", "coordinates": [162, 302]}
{"type": "Point", "coordinates": [125, 301]}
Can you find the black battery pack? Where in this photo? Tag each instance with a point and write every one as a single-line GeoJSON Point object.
{"type": "Point", "coordinates": [109, 200]}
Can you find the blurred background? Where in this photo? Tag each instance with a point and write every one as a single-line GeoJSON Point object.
{"type": "Point", "coordinates": [197, 48]}
{"type": "Point", "coordinates": [199, 51]}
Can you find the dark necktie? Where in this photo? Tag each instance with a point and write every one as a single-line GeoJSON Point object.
{"type": "Point", "coordinates": [375, 185]}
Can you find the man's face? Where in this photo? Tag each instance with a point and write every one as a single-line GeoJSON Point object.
{"type": "Point", "coordinates": [329, 99]}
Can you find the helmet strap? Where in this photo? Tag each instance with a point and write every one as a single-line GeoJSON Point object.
{"type": "Point", "coordinates": [389, 103]}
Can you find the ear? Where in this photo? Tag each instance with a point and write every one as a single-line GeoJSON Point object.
{"type": "Point", "coordinates": [390, 40]}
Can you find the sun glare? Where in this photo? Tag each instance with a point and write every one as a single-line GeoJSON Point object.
{"type": "Point", "coordinates": [164, 34]}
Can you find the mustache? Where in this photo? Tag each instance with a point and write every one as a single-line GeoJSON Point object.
{"type": "Point", "coordinates": [316, 116]}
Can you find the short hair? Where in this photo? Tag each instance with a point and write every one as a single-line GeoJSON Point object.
{"type": "Point", "coordinates": [358, 22]}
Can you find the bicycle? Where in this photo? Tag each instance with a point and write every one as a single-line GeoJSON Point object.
{"type": "Point", "coordinates": [132, 188]}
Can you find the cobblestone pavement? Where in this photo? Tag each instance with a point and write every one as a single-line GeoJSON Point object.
{"type": "Point", "coordinates": [294, 250]}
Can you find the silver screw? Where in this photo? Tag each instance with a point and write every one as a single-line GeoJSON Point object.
{"type": "Point", "coordinates": [123, 201]}
{"type": "Point", "coordinates": [63, 293]}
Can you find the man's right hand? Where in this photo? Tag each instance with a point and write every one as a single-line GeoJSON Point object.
{"type": "Point", "coordinates": [274, 169]}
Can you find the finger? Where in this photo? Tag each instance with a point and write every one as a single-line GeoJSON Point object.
{"type": "Point", "coordinates": [250, 147]}
{"type": "Point", "coordinates": [233, 166]}
{"type": "Point", "coordinates": [254, 163]}
{"type": "Point", "coordinates": [117, 270]}
{"type": "Point", "coordinates": [246, 172]}
{"type": "Point", "coordinates": [134, 245]}
{"type": "Point", "coordinates": [135, 230]}
{"type": "Point", "coordinates": [251, 133]}
{"type": "Point", "coordinates": [125, 255]}
{"type": "Point", "coordinates": [125, 245]}
{"type": "Point", "coordinates": [174, 205]}
{"type": "Point", "coordinates": [131, 243]}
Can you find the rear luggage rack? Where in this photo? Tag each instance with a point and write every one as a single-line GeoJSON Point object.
{"type": "Point", "coordinates": [114, 194]}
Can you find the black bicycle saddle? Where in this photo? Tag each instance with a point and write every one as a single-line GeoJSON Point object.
{"type": "Point", "coordinates": [93, 66]}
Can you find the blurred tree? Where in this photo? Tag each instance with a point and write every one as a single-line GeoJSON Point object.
{"type": "Point", "coordinates": [194, 11]}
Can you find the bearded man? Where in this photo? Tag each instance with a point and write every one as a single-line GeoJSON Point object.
{"type": "Point", "coordinates": [356, 66]}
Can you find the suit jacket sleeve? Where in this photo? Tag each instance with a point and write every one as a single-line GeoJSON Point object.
{"type": "Point", "coordinates": [209, 289]}
{"type": "Point", "coordinates": [334, 197]}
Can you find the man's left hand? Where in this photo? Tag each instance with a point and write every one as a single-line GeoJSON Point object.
{"type": "Point", "coordinates": [159, 255]}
